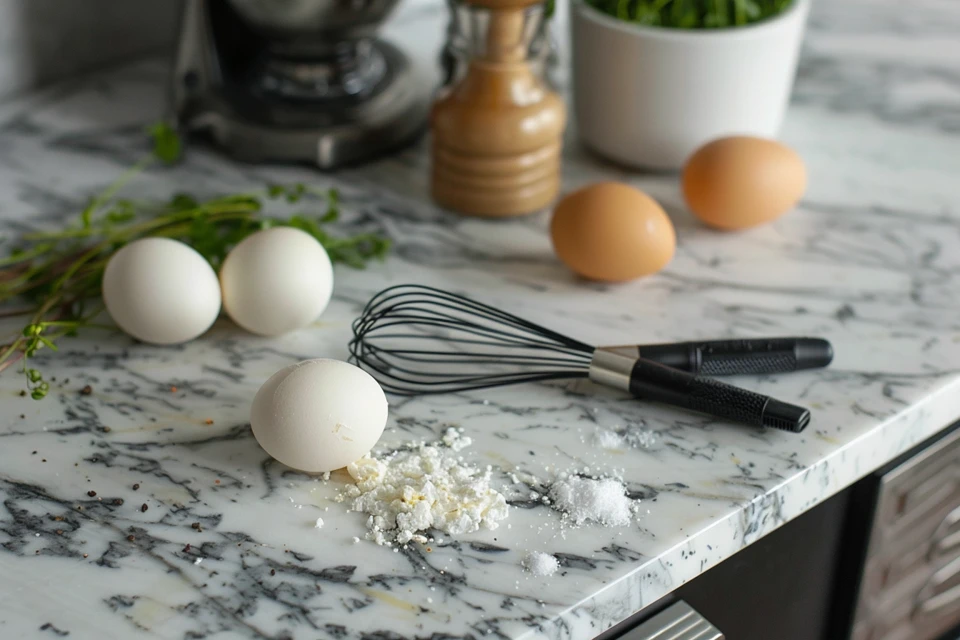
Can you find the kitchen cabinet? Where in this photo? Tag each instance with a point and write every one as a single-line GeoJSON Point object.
{"type": "Point", "coordinates": [878, 561]}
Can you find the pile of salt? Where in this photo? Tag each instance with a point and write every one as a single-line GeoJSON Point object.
{"type": "Point", "coordinates": [540, 564]}
{"type": "Point", "coordinates": [585, 500]}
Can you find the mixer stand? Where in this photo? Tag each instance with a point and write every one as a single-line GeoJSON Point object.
{"type": "Point", "coordinates": [362, 100]}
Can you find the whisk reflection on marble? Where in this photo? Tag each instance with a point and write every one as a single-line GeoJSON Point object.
{"type": "Point", "coordinates": [415, 340]}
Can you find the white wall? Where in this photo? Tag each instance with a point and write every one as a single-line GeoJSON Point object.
{"type": "Point", "coordinates": [44, 40]}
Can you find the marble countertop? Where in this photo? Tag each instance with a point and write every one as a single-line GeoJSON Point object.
{"type": "Point", "coordinates": [870, 260]}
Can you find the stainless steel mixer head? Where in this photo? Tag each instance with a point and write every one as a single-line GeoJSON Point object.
{"type": "Point", "coordinates": [296, 80]}
{"type": "Point", "coordinates": [284, 20]}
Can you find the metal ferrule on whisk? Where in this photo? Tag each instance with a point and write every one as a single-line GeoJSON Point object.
{"type": "Point", "coordinates": [611, 369]}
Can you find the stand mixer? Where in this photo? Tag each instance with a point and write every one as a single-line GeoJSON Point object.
{"type": "Point", "coordinates": [296, 80]}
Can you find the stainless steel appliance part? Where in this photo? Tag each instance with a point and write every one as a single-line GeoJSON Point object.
{"type": "Point", "coordinates": [296, 80]}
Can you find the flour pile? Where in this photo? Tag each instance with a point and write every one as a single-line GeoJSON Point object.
{"type": "Point", "coordinates": [540, 564]}
{"type": "Point", "coordinates": [584, 500]}
{"type": "Point", "coordinates": [429, 487]}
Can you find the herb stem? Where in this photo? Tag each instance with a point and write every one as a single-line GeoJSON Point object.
{"type": "Point", "coordinates": [60, 272]}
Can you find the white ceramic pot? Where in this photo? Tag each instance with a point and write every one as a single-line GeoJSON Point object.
{"type": "Point", "coordinates": [650, 96]}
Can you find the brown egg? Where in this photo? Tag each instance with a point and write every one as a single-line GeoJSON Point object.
{"type": "Point", "coordinates": [612, 232]}
{"type": "Point", "coordinates": [740, 182]}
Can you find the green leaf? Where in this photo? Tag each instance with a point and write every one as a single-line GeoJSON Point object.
{"type": "Point", "coordinates": [333, 206]}
{"type": "Point", "coordinates": [86, 216]}
{"type": "Point", "coordinates": [183, 202]}
{"type": "Point", "coordinates": [692, 14]}
{"type": "Point", "coordinates": [291, 193]}
{"type": "Point", "coordinates": [166, 142]}
{"type": "Point", "coordinates": [122, 211]}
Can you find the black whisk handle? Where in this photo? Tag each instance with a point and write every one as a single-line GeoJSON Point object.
{"type": "Point", "coordinates": [653, 381]}
{"type": "Point", "coordinates": [734, 357]}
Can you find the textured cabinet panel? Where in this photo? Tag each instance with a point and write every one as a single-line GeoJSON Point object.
{"type": "Point", "coordinates": [679, 621]}
{"type": "Point", "coordinates": [911, 578]}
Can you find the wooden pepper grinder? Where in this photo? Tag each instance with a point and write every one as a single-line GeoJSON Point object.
{"type": "Point", "coordinates": [497, 133]}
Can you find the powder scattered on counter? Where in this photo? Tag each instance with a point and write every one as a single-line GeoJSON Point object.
{"type": "Point", "coordinates": [456, 440]}
{"type": "Point", "coordinates": [642, 438]}
{"type": "Point", "coordinates": [540, 564]}
{"type": "Point", "coordinates": [425, 487]}
{"type": "Point", "coordinates": [608, 439]}
{"type": "Point", "coordinates": [632, 436]}
{"type": "Point", "coordinates": [587, 500]}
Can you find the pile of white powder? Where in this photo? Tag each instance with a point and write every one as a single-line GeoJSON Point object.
{"type": "Point", "coordinates": [428, 487]}
{"type": "Point", "coordinates": [584, 500]}
{"type": "Point", "coordinates": [540, 564]}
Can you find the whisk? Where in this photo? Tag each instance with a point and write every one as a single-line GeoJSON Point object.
{"type": "Point", "coordinates": [416, 339]}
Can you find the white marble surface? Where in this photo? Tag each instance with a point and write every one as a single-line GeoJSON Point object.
{"type": "Point", "coordinates": [870, 260]}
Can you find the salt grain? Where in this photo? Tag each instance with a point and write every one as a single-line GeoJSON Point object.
{"type": "Point", "coordinates": [587, 500]}
{"type": "Point", "coordinates": [608, 439]}
{"type": "Point", "coordinates": [318, 524]}
{"type": "Point", "coordinates": [540, 564]}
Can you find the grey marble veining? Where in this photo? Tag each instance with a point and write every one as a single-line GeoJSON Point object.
{"type": "Point", "coordinates": [226, 547]}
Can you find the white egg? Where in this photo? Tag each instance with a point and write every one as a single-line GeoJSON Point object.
{"type": "Point", "coordinates": [276, 280]}
{"type": "Point", "coordinates": [319, 415]}
{"type": "Point", "coordinates": [161, 291]}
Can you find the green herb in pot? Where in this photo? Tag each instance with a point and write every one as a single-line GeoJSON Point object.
{"type": "Point", "coordinates": [692, 14]}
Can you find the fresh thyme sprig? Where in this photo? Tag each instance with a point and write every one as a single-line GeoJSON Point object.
{"type": "Point", "coordinates": [53, 277]}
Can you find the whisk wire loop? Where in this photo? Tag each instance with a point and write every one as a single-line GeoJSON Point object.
{"type": "Point", "coordinates": [416, 339]}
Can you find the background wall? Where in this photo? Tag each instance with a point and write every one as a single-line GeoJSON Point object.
{"type": "Point", "coordinates": [43, 40]}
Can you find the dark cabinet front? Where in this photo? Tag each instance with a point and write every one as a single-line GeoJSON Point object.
{"type": "Point", "coordinates": [878, 561]}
